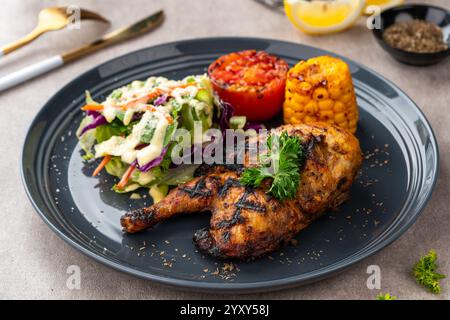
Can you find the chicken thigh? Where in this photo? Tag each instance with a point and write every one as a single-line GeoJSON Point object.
{"type": "Point", "coordinates": [247, 222]}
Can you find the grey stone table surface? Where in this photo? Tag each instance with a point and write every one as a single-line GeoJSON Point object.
{"type": "Point", "coordinates": [34, 261]}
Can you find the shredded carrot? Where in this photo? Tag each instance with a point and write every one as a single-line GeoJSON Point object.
{"type": "Point", "coordinates": [155, 93]}
{"type": "Point", "coordinates": [126, 176]}
{"type": "Point", "coordinates": [134, 102]}
{"type": "Point", "coordinates": [92, 107]}
{"type": "Point", "coordinates": [102, 164]}
{"type": "Point", "coordinates": [169, 119]}
{"type": "Point", "coordinates": [184, 85]}
{"type": "Point", "coordinates": [152, 95]}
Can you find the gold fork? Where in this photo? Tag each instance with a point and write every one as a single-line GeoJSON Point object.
{"type": "Point", "coordinates": [50, 19]}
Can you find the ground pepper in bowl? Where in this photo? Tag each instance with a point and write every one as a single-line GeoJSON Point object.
{"type": "Point", "coordinates": [417, 36]}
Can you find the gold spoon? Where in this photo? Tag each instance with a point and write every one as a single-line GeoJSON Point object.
{"type": "Point", "coordinates": [34, 70]}
{"type": "Point", "coordinates": [50, 19]}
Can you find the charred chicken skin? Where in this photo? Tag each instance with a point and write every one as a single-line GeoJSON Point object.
{"type": "Point", "coordinates": [247, 223]}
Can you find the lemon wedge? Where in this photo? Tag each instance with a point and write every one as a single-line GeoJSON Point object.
{"type": "Point", "coordinates": [383, 4]}
{"type": "Point", "coordinates": [322, 16]}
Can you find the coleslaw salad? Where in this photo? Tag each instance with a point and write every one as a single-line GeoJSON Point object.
{"type": "Point", "coordinates": [132, 130]}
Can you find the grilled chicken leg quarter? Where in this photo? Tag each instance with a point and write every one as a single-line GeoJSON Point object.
{"type": "Point", "coordinates": [247, 223]}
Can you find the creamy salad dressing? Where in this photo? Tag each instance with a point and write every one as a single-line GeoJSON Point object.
{"type": "Point", "coordinates": [139, 89]}
{"type": "Point", "coordinates": [156, 194]}
{"type": "Point", "coordinates": [154, 149]}
{"type": "Point", "coordinates": [128, 116]}
{"type": "Point", "coordinates": [125, 147]}
{"type": "Point", "coordinates": [180, 94]}
{"type": "Point", "coordinates": [188, 100]}
{"type": "Point", "coordinates": [109, 110]}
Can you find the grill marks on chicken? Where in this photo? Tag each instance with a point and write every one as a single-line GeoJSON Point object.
{"type": "Point", "coordinates": [247, 223]}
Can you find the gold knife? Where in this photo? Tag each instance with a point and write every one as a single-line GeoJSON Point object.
{"type": "Point", "coordinates": [57, 61]}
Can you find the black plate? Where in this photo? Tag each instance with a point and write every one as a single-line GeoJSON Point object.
{"type": "Point", "coordinates": [436, 15]}
{"type": "Point", "coordinates": [397, 180]}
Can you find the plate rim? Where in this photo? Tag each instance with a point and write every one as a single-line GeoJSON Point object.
{"type": "Point", "coordinates": [248, 287]}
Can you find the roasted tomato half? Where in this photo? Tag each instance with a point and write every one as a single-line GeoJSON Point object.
{"type": "Point", "coordinates": [253, 82]}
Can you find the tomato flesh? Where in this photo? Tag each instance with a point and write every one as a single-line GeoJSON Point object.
{"type": "Point", "coordinates": [253, 82]}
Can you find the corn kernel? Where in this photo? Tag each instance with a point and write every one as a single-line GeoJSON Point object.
{"type": "Point", "coordinates": [326, 114]}
{"type": "Point", "coordinates": [344, 125]}
{"type": "Point", "coordinates": [352, 115]}
{"type": "Point", "coordinates": [309, 119]}
{"type": "Point", "coordinates": [326, 104]}
{"type": "Point", "coordinates": [320, 94]}
{"type": "Point", "coordinates": [338, 106]}
{"type": "Point", "coordinates": [311, 107]}
{"type": "Point", "coordinates": [339, 118]}
{"type": "Point", "coordinates": [288, 112]}
{"type": "Point", "coordinates": [305, 87]}
{"type": "Point", "coordinates": [291, 86]}
{"type": "Point", "coordinates": [346, 98]}
{"type": "Point", "coordinates": [335, 92]}
{"type": "Point", "coordinates": [295, 120]}
{"type": "Point", "coordinates": [300, 99]}
{"type": "Point", "coordinates": [299, 114]}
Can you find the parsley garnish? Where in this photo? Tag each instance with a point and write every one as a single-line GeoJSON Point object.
{"type": "Point", "coordinates": [386, 296]}
{"type": "Point", "coordinates": [282, 164]}
{"type": "Point", "coordinates": [424, 272]}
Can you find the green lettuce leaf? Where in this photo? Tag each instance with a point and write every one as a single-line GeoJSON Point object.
{"type": "Point", "coordinates": [116, 167]}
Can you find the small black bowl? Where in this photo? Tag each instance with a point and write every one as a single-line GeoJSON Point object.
{"type": "Point", "coordinates": [436, 15]}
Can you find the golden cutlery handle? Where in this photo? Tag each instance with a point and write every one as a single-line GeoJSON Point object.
{"type": "Point", "coordinates": [98, 44]}
{"type": "Point", "coordinates": [20, 42]}
{"type": "Point", "coordinates": [84, 50]}
{"type": "Point", "coordinates": [121, 34]}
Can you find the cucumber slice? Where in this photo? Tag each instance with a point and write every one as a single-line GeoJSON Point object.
{"type": "Point", "coordinates": [204, 96]}
{"type": "Point", "coordinates": [238, 122]}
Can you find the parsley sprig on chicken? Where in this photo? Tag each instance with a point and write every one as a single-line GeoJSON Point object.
{"type": "Point", "coordinates": [282, 164]}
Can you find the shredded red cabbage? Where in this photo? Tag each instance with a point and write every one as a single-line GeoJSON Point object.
{"type": "Point", "coordinates": [154, 163]}
{"type": "Point", "coordinates": [137, 116]}
{"type": "Point", "coordinates": [99, 120]}
{"type": "Point", "coordinates": [161, 100]}
{"type": "Point", "coordinates": [92, 113]}
{"type": "Point", "coordinates": [226, 112]}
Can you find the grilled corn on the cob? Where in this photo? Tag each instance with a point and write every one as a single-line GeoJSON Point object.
{"type": "Point", "coordinates": [321, 90]}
